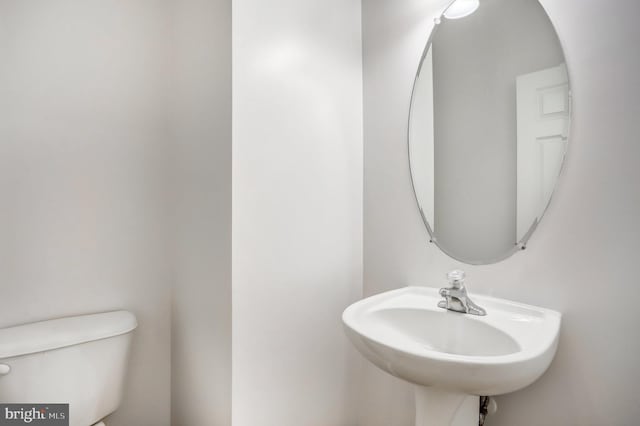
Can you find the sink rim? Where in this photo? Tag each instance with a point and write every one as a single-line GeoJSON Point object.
{"type": "Point", "coordinates": [496, 309]}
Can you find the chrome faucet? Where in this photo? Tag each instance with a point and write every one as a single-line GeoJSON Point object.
{"type": "Point", "coordinates": [456, 298]}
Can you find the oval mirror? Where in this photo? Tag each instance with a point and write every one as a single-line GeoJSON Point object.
{"type": "Point", "coordinates": [488, 126]}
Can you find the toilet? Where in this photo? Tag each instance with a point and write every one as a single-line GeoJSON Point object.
{"type": "Point", "coordinates": [80, 361]}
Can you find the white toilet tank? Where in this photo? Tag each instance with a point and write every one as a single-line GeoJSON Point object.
{"type": "Point", "coordinates": [78, 360]}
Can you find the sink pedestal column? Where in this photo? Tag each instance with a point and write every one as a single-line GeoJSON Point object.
{"type": "Point", "coordinates": [435, 407]}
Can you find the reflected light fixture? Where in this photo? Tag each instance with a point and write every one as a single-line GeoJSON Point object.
{"type": "Point", "coordinates": [461, 8]}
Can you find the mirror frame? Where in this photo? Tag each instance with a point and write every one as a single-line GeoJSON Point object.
{"type": "Point", "coordinates": [522, 244]}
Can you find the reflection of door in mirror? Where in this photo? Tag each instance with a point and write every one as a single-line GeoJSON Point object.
{"type": "Point", "coordinates": [543, 104]}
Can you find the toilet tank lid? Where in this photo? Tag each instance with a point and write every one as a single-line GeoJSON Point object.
{"type": "Point", "coordinates": [62, 332]}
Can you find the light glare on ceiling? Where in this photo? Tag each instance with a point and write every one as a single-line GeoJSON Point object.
{"type": "Point", "coordinates": [461, 8]}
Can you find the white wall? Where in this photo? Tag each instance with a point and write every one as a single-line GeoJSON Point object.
{"type": "Point", "coordinates": [83, 168]}
{"type": "Point", "coordinates": [200, 118]}
{"type": "Point", "coordinates": [297, 209]}
{"type": "Point", "coordinates": [582, 258]}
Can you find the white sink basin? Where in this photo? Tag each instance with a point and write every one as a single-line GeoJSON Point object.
{"type": "Point", "coordinates": [405, 333]}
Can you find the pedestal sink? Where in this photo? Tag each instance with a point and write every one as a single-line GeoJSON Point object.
{"type": "Point", "coordinates": [453, 358]}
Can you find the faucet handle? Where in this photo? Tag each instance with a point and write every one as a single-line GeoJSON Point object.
{"type": "Point", "coordinates": [456, 278]}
